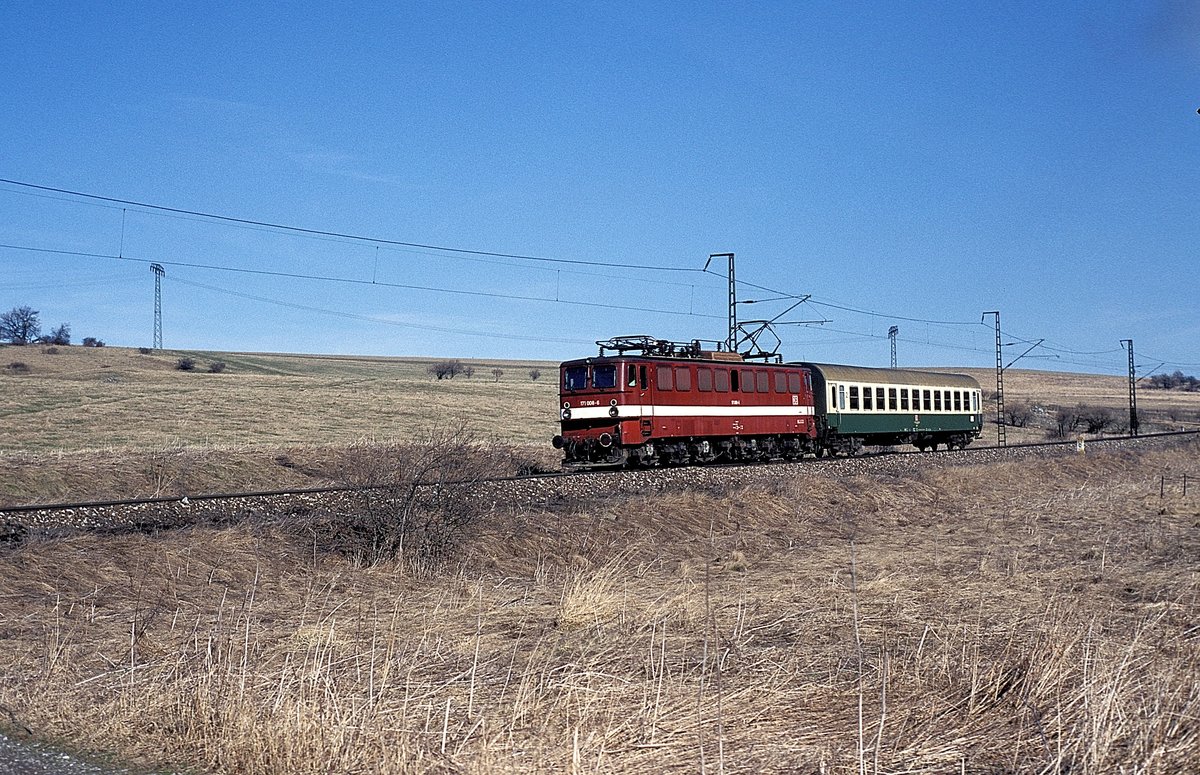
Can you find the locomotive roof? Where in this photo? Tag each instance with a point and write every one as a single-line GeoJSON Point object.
{"type": "Point", "coordinates": [841, 373]}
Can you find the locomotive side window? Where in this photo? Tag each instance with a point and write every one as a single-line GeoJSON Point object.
{"type": "Point", "coordinates": [662, 378]}
{"type": "Point", "coordinates": [794, 382]}
{"type": "Point", "coordinates": [631, 376]}
{"type": "Point", "coordinates": [683, 378]}
{"type": "Point", "coordinates": [866, 398]}
{"type": "Point", "coordinates": [781, 380]}
{"type": "Point", "coordinates": [645, 383]}
{"type": "Point", "coordinates": [763, 381]}
{"type": "Point", "coordinates": [704, 379]}
{"type": "Point", "coordinates": [575, 378]}
{"type": "Point", "coordinates": [879, 399]}
{"type": "Point", "coordinates": [892, 399]}
{"type": "Point", "coordinates": [854, 396]}
{"type": "Point", "coordinates": [904, 399]}
{"type": "Point", "coordinates": [733, 380]}
{"type": "Point", "coordinates": [747, 381]}
{"type": "Point", "coordinates": [721, 380]}
{"type": "Point", "coordinates": [604, 376]}
{"type": "Point", "coordinates": [925, 399]}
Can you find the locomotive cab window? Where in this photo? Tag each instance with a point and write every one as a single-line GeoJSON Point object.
{"type": "Point", "coordinates": [683, 378]}
{"type": "Point", "coordinates": [704, 381]}
{"type": "Point", "coordinates": [575, 378]}
{"type": "Point", "coordinates": [604, 376]}
{"type": "Point", "coordinates": [662, 378]}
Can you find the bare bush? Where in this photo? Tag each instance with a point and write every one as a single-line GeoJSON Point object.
{"type": "Point", "coordinates": [413, 498]}
{"type": "Point", "coordinates": [1017, 414]}
{"type": "Point", "coordinates": [446, 369]}
{"type": "Point", "coordinates": [17, 367]}
{"type": "Point", "coordinates": [91, 341]}
{"type": "Point", "coordinates": [144, 350]}
{"type": "Point", "coordinates": [534, 374]}
{"type": "Point", "coordinates": [186, 364]}
{"type": "Point", "coordinates": [497, 374]}
{"type": "Point", "coordinates": [216, 367]}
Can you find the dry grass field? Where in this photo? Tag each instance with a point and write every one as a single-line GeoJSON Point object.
{"type": "Point", "coordinates": [1040, 617]}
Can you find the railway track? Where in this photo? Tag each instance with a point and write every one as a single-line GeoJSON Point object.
{"type": "Point", "coordinates": [149, 514]}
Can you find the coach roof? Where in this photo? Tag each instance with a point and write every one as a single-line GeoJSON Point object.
{"type": "Point", "coordinates": [833, 372]}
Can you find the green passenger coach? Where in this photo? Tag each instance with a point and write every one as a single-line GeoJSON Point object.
{"type": "Point", "coordinates": [857, 406]}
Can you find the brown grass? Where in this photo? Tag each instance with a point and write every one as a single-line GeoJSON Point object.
{"type": "Point", "coordinates": [1039, 617]}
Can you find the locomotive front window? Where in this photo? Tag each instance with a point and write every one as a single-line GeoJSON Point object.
{"type": "Point", "coordinates": [575, 378]}
{"type": "Point", "coordinates": [604, 376]}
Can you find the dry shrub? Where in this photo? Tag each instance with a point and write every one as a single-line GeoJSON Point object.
{"type": "Point", "coordinates": [413, 498]}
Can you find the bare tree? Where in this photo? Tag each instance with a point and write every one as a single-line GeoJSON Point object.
{"type": "Point", "coordinates": [534, 374]}
{"type": "Point", "coordinates": [60, 335]}
{"type": "Point", "coordinates": [497, 373]}
{"type": "Point", "coordinates": [1017, 414]}
{"type": "Point", "coordinates": [446, 369]}
{"type": "Point", "coordinates": [20, 325]}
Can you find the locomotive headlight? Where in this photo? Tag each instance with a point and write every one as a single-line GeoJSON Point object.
{"type": "Point", "coordinates": [566, 413]}
{"type": "Point", "coordinates": [613, 411]}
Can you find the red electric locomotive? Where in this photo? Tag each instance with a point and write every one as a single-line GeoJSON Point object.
{"type": "Point", "coordinates": [664, 403]}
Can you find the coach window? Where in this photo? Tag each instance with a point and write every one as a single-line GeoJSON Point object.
{"type": "Point", "coordinates": [867, 399]}
{"type": "Point", "coordinates": [794, 382]}
{"type": "Point", "coordinates": [575, 378]}
{"type": "Point", "coordinates": [662, 379]}
{"type": "Point", "coordinates": [937, 400]}
{"type": "Point", "coordinates": [841, 396]}
{"type": "Point", "coordinates": [833, 396]}
{"type": "Point", "coordinates": [763, 379]}
{"type": "Point", "coordinates": [604, 376]}
{"type": "Point", "coordinates": [704, 379]}
{"type": "Point", "coordinates": [854, 396]}
{"type": "Point", "coordinates": [904, 399]}
{"type": "Point", "coordinates": [892, 406]}
{"type": "Point", "coordinates": [958, 400]}
{"type": "Point", "coordinates": [946, 399]}
{"type": "Point", "coordinates": [879, 400]}
{"type": "Point", "coordinates": [721, 380]}
{"type": "Point", "coordinates": [926, 400]}
{"type": "Point", "coordinates": [975, 400]}
{"type": "Point", "coordinates": [683, 378]}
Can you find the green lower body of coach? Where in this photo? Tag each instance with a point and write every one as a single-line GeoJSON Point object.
{"type": "Point", "coordinates": [845, 433]}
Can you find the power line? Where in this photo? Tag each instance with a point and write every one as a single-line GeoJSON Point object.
{"type": "Point", "coordinates": [355, 281]}
{"type": "Point", "coordinates": [371, 318]}
{"type": "Point", "coordinates": [342, 235]}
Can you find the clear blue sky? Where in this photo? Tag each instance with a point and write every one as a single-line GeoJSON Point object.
{"type": "Point", "coordinates": [919, 160]}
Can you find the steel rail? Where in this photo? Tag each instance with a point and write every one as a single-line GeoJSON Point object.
{"type": "Point", "coordinates": [50, 507]}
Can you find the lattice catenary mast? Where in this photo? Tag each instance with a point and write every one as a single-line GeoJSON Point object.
{"type": "Point", "coordinates": [158, 276]}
